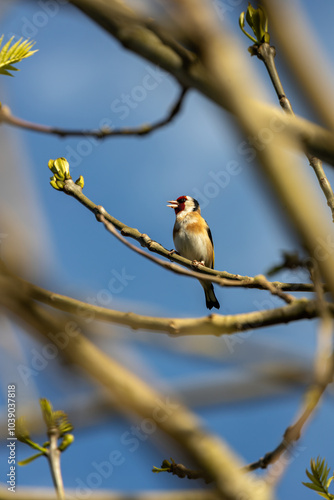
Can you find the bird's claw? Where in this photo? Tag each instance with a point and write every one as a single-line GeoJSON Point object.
{"type": "Point", "coordinates": [196, 264]}
{"type": "Point", "coordinates": [171, 252]}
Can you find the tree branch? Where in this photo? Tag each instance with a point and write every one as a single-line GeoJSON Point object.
{"type": "Point", "coordinates": [312, 74]}
{"type": "Point", "coordinates": [26, 493]}
{"type": "Point", "coordinates": [260, 280]}
{"type": "Point", "coordinates": [133, 395]}
{"type": "Point", "coordinates": [181, 471]}
{"type": "Point", "coordinates": [323, 376]}
{"type": "Point", "coordinates": [266, 54]}
{"type": "Point", "coordinates": [53, 457]}
{"type": "Point", "coordinates": [9, 119]}
{"type": "Point", "coordinates": [213, 324]}
{"type": "Point", "coordinates": [310, 401]}
{"type": "Point", "coordinates": [222, 278]}
{"type": "Point", "coordinates": [136, 34]}
{"type": "Point", "coordinates": [285, 173]}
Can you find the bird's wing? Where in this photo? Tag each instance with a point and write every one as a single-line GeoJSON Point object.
{"type": "Point", "coordinates": [210, 238]}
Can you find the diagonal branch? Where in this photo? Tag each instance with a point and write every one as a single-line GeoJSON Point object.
{"type": "Point", "coordinates": [222, 278]}
{"type": "Point", "coordinates": [133, 395]}
{"type": "Point", "coordinates": [293, 432]}
{"type": "Point", "coordinates": [9, 119]}
{"type": "Point", "coordinates": [261, 280]}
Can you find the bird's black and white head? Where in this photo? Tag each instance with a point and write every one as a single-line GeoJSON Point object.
{"type": "Point", "coordinates": [184, 204]}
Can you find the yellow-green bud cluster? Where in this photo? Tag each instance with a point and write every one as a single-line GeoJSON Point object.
{"type": "Point", "coordinates": [61, 171]}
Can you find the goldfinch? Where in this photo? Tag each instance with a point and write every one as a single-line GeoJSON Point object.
{"type": "Point", "coordinates": [193, 240]}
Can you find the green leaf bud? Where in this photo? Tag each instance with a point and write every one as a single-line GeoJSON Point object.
{"type": "Point", "coordinates": [258, 21]}
{"type": "Point", "coordinates": [80, 181]}
{"type": "Point", "coordinates": [67, 440]}
{"type": "Point", "coordinates": [60, 168]}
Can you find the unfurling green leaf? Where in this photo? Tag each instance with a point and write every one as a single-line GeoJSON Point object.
{"type": "Point", "coordinates": [57, 424]}
{"type": "Point", "coordinates": [54, 183]}
{"type": "Point", "coordinates": [242, 26]}
{"type": "Point", "coordinates": [258, 21]}
{"type": "Point", "coordinates": [166, 466]}
{"type": "Point", "coordinates": [47, 412]}
{"type": "Point", "coordinates": [21, 430]}
{"type": "Point", "coordinates": [319, 478]}
{"type": "Point", "coordinates": [63, 424]}
{"type": "Point", "coordinates": [160, 469]}
{"type": "Point", "coordinates": [30, 459]}
{"type": "Point", "coordinates": [12, 54]}
{"type": "Point", "coordinates": [23, 435]}
{"type": "Point", "coordinates": [55, 419]}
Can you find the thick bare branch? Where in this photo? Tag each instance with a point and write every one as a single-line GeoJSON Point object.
{"type": "Point", "coordinates": [213, 324]}
{"type": "Point", "coordinates": [24, 493]}
{"type": "Point", "coordinates": [134, 395]}
{"type": "Point", "coordinates": [137, 35]}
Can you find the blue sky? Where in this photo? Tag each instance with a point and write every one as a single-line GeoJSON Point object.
{"type": "Point", "coordinates": [81, 78]}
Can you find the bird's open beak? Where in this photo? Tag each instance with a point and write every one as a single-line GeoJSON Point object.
{"type": "Point", "coordinates": [173, 204]}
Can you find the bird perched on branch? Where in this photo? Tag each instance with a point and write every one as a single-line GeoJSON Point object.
{"type": "Point", "coordinates": [193, 240]}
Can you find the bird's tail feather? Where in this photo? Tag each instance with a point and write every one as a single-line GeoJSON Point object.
{"type": "Point", "coordinates": [210, 297]}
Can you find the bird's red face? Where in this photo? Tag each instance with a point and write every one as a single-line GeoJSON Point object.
{"type": "Point", "coordinates": [178, 205]}
{"type": "Point", "coordinates": [185, 204]}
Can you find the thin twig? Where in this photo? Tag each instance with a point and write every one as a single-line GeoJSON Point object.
{"type": "Point", "coordinates": [181, 471]}
{"type": "Point", "coordinates": [9, 119]}
{"type": "Point", "coordinates": [293, 432]}
{"type": "Point", "coordinates": [310, 402]}
{"type": "Point", "coordinates": [325, 330]}
{"type": "Point", "coordinates": [266, 53]}
{"type": "Point", "coordinates": [291, 260]}
{"type": "Point", "coordinates": [274, 290]}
